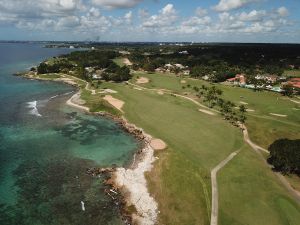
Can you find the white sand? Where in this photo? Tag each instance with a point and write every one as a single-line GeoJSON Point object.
{"type": "Point", "coordinates": [142, 80]}
{"type": "Point", "coordinates": [114, 102]}
{"type": "Point", "coordinates": [127, 62]}
{"type": "Point", "coordinates": [206, 111]}
{"type": "Point", "coordinates": [280, 115]}
{"type": "Point", "coordinates": [158, 144]}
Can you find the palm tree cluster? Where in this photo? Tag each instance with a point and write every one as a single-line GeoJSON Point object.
{"type": "Point", "coordinates": [232, 113]}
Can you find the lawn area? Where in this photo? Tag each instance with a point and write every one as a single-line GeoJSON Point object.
{"type": "Point", "coordinates": [197, 142]}
{"type": "Point", "coordinates": [251, 194]}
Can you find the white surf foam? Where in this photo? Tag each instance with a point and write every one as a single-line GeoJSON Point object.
{"type": "Point", "coordinates": [34, 110]}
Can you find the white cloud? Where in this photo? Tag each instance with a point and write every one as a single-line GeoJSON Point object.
{"type": "Point", "coordinates": [143, 13]}
{"type": "Point", "coordinates": [282, 11]}
{"type": "Point", "coordinates": [227, 5]}
{"type": "Point", "coordinates": [254, 15]}
{"type": "Point", "coordinates": [197, 21]}
{"type": "Point", "coordinates": [112, 4]}
{"type": "Point", "coordinates": [166, 17]}
{"type": "Point", "coordinates": [200, 12]}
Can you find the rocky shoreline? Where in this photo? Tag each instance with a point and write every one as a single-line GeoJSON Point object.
{"type": "Point", "coordinates": [126, 186]}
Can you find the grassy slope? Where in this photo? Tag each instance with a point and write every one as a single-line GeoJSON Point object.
{"type": "Point", "coordinates": [253, 195]}
{"type": "Point", "coordinates": [197, 142]}
{"type": "Point", "coordinates": [263, 127]}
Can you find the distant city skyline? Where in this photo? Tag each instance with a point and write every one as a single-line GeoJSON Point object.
{"type": "Point", "coordinates": [267, 21]}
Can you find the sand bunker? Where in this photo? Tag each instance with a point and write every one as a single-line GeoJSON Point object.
{"type": "Point", "coordinates": [158, 144]}
{"type": "Point", "coordinates": [127, 62]}
{"type": "Point", "coordinates": [142, 80]}
{"type": "Point", "coordinates": [114, 102]}
{"type": "Point", "coordinates": [280, 115]}
{"type": "Point", "coordinates": [183, 81]}
{"type": "Point", "coordinates": [206, 111]}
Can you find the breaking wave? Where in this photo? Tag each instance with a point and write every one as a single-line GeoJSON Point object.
{"type": "Point", "coordinates": [34, 110]}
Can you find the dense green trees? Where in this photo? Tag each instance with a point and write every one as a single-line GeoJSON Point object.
{"type": "Point", "coordinates": [54, 67]}
{"type": "Point", "coordinates": [228, 109]}
{"type": "Point", "coordinates": [117, 74]}
{"type": "Point", "coordinates": [223, 61]}
{"type": "Point", "coordinates": [285, 156]}
{"type": "Point", "coordinates": [78, 61]}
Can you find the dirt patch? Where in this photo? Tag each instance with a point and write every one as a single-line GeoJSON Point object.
{"type": "Point", "coordinates": [244, 103]}
{"type": "Point", "coordinates": [114, 102]}
{"type": "Point", "coordinates": [160, 92]}
{"type": "Point", "coordinates": [250, 110]}
{"type": "Point", "coordinates": [206, 111]}
{"type": "Point", "coordinates": [142, 80]}
{"type": "Point", "coordinates": [279, 115]}
{"type": "Point", "coordinates": [158, 144]}
{"type": "Point", "coordinates": [183, 81]}
{"type": "Point", "coordinates": [139, 89]}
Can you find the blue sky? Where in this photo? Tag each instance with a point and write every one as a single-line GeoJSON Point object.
{"type": "Point", "coordinates": [151, 20]}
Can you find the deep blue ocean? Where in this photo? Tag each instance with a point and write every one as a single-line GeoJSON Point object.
{"type": "Point", "coordinates": [46, 147]}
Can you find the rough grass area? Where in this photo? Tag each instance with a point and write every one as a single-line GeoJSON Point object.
{"type": "Point", "coordinates": [251, 194]}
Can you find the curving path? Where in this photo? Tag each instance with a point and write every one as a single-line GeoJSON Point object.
{"type": "Point", "coordinates": [258, 149]}
{"type": "Point", "coordinates": [214, 187]}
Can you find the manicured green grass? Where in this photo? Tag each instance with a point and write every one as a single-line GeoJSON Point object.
{"type": "Point", "coordinates": [264, 128]}
{"type": "Point", "coordinates": [197, 142]}
{"type": "Point", "coordinates": [182, 187]}
{"type": "Point", "coordinates": [251, 194]}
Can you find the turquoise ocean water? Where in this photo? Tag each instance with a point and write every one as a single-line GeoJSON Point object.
{"type": "Point", "coordinates": [46, 147]}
